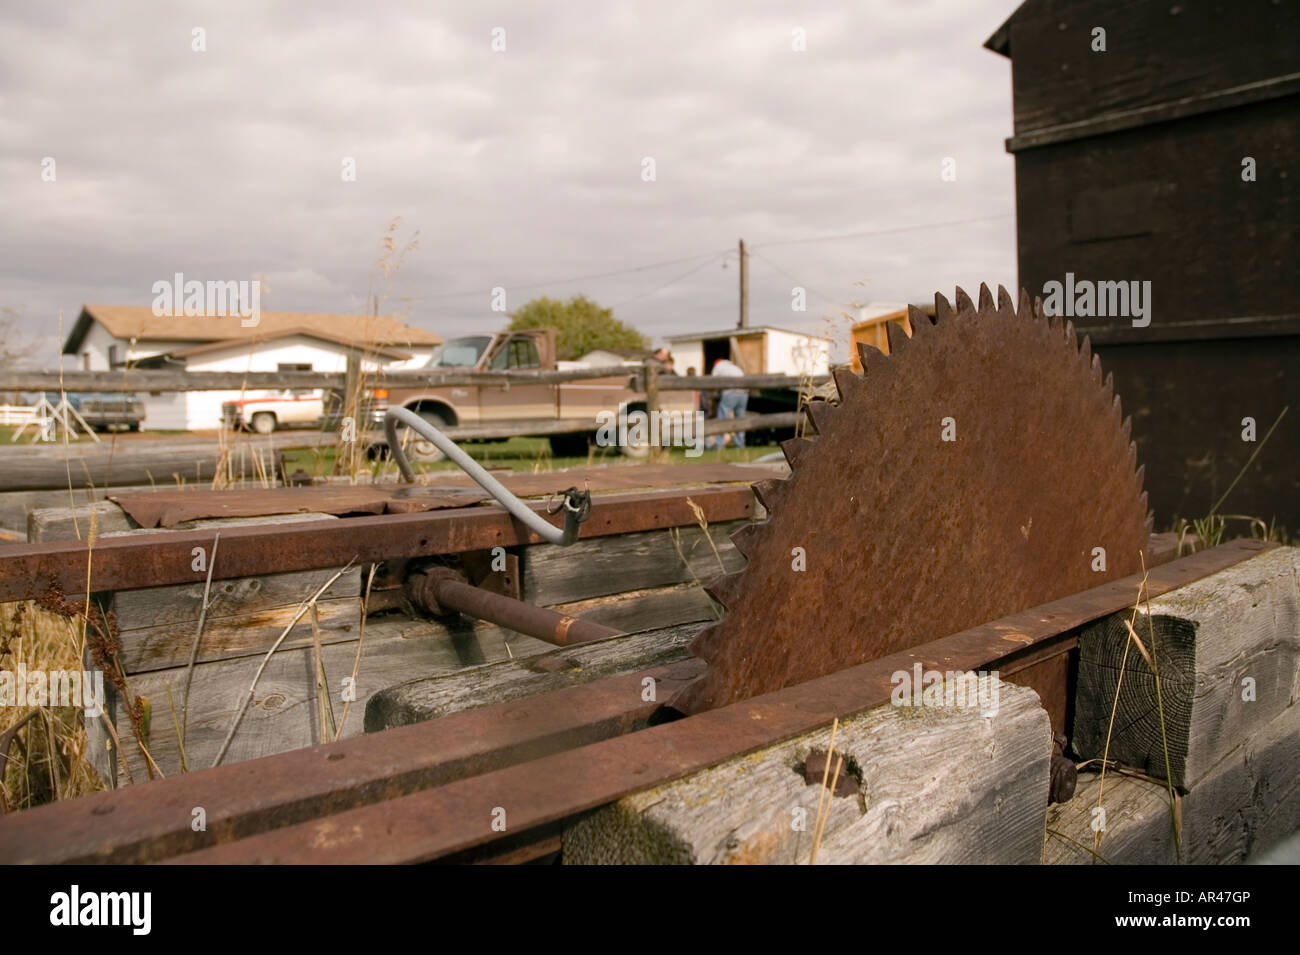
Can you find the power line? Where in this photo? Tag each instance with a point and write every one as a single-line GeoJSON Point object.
{"type": "Point", "coordinates": [800, 282]}
{"type": "Point", "coordinates": [908, 228]}
{"type": "Point", "coordinates": [709, 257]}
{"type": "Point", "coordinates": [583, 278]}
{"type": "Point", "coordinates": [687, 274]}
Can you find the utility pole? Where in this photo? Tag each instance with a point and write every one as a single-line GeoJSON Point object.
{"type": "Point", "coordinates": [744, 287]}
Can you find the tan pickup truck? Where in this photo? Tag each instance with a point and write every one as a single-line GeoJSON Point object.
{"type": "Point", "coordinates": [522, 403]}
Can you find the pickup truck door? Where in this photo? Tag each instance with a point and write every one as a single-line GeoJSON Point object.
{"type": "Point", "coordinates": [517, 402]}
{"type": "Point", "coordinates": [300, 406]}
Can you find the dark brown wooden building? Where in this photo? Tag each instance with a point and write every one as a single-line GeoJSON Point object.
{"type": "Point", "coordinates": [1173, 157]}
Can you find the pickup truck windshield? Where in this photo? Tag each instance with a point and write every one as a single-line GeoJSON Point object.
{"type": "Point", "coordinates": [459, 352]}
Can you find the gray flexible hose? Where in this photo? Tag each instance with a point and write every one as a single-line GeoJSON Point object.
{"type": "Point", "coordinates": [575, 502]}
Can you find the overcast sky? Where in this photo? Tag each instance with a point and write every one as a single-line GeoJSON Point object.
{"type": "Point", "coordinates": [522, 169]}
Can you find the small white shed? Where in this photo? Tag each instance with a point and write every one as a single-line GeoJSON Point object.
{"type": "Point", "coordinates": [761, 350]}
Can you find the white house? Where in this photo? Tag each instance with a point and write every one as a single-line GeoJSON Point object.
{"type": "Point", "coordinates": [760, 350]}
{"type": "Point", "coordinates": [612, 357]}
{"type": "Point", "coordinates": [107, 337]}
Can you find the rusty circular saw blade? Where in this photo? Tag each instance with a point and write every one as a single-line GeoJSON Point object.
{"type": "Point", "coordinates": [904, 537]}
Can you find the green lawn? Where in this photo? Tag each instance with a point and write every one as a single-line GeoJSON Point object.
{"type": "Point", "coordinates": [527, 454]}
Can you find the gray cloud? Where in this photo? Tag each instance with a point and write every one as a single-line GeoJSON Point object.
{"type": "Point", "coordinates": [517, 168]}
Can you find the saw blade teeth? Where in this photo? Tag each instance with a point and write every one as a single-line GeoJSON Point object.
{"type": "Point", "coordinates": [749, 538]}
{"type": "Point", "coordinates": [821, 414]}
{"type": "Point", "coordinates": [1006, 307]}
{"type": "Point", "coordinates": [964, 304]}
{"type": "Point", "coordinates": [919, 321]}
{"type": "Point", "coordinates": [758, 648]}
{"type": "Point", "coordinates": [896, 337]}
{"type": "Point", "coordinates": [771, 493]}
{"type": "Point", "coordinates": [848, 382]}
{"type": "Point", "coordinates": [872, 358]}
{"type": "Point", "coordinates": [705, 644]}
{"type": "Point", "coordinates": [795, 448]}
{"type": "Point", "coordinates": [1025, 310]}
{"type": "Point", "coordinates": [725, 589]}
{"type": "Point", "coordinates": [942, 310]}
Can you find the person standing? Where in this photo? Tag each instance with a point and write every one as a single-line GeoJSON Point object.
{"type": "Point", "coordinates": [731, 401]}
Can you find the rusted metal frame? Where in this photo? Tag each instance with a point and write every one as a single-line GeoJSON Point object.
{"type": "Point", "coordinates": [457, 817]}
{"type": "Point", "coordinates": [154, 559]}
{"type": "Point", "coordinates": [151, 821]}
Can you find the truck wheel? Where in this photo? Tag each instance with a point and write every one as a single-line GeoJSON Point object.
{"type": "Point", "coordinates": [568, 445]}
{"type": "Point", "coordinates": [421, 449]}
{"type": "Point", "coordinates": [635, 449]}
{"type": "Point", "coordinates": [264, 422]}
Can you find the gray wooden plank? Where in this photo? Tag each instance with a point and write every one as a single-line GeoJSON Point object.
{"type": "Point", "coordinates": [282, 715]}
{"type": "Point", "coordinates": [1249, 801]}
{"type": "Point", "coordinates": [608, 565]}
{"type": "Point", "coordinates": [431, 697]}
{"type": "Point", "coordinates": [1132, 816]}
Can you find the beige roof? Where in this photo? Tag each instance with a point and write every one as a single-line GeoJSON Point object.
{"type": "Point", "coordinates": [209, 347]}
{"type": "Point", "coordinates": [139, 322]}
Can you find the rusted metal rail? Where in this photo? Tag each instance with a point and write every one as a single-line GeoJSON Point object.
{"type": "Point", "coordinates": [428, 792]}
{"type": "Point", "coordinates": [155, 559]}
{"type": "Point", "coordinates": [441, 590]}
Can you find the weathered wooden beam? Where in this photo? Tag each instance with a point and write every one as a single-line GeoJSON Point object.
{"type": "Point", "coordinates": [431, 698]}
{"type": "Point", "coordinates": [1227, 650]}
{"type": "Point", "coordinates": [929, 785]}
{"type": "Point", "coordinates": [1130, 815]}
{"type": "Point", "coordinates": [1250, 800]}
{"type": "Point", "coordinates": [1180, 108]}
{"type": "Point", "coordinates": [1247, 803]}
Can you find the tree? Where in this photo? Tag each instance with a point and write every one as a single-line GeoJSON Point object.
{"type": "Point", "coordinates": [580, 324]}
{"type": "Point", "coordinates": [13, 349]}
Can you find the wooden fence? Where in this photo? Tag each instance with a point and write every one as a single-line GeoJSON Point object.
{"type": "Point", "coordinates": [15, 414]}
{"type": "Point", "coordinates": [194, 459]}
{"type": "Point", "coordinates": [153, 380]}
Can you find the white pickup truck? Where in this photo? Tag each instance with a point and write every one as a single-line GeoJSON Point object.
{"type": "Point", "coordinates": [269, 410]}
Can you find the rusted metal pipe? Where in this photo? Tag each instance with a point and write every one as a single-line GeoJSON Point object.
{"type": "Point", "coordinates": [441, 590]}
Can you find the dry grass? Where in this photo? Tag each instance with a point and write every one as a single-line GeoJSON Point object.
{"type": "Point", "coordinates": [38, 772]}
